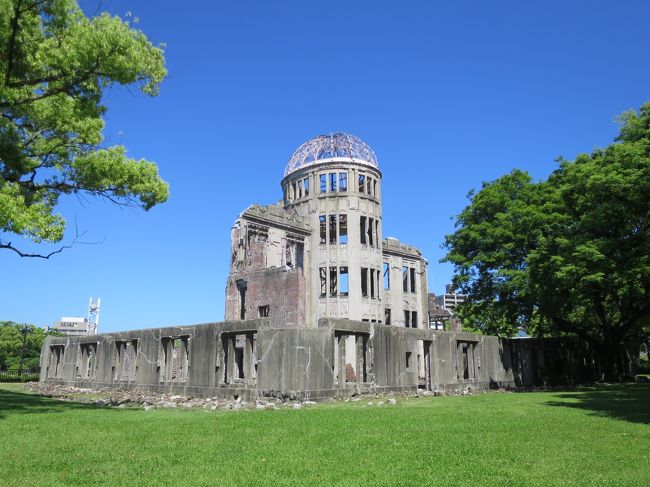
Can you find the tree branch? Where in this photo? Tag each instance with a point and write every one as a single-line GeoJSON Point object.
{"type": "Point", "coordinates": [75, 241]}
{"type": "Point", "coordinates": [56, 91]}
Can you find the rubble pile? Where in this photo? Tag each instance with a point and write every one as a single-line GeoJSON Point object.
{"type": "Point", "coordinates": [149, 401]}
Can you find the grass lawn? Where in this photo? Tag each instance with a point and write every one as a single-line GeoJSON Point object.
{"type": "Point", "coordinates": [592, 436]}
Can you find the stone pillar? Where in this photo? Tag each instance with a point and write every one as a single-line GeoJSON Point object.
{"type": "Point", "coordinates": [248, 359]}
{"type": "Point", "coordinates": [230, 357]}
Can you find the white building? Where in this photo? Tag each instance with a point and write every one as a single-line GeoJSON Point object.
{"type": "Point", "coordinates": [72, 325]}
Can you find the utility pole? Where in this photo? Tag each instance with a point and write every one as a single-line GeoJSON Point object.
{"type": "Point", "coordinates": [23, 331]}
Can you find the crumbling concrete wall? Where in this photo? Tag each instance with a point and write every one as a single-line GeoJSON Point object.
{"type": "Point", "coordinates": [339, 358]}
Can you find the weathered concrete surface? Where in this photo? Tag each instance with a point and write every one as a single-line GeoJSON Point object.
{"type": "Point", "coordinates": [340, 358]}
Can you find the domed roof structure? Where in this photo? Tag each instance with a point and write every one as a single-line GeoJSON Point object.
{"type": "Point", "coordinates": [331, 146]}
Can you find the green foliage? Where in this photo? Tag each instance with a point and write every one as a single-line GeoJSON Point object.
{"type": "Point", "coordinates": [11, 344]}
{"type": "Point", "coordinates": [568, 255]}
{"type": "Point", "coordinates": [55, 64]}
{"type": "Point", "coordinates": [587, 437]}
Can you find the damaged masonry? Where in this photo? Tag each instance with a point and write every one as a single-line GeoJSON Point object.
{"type": "Point", "coordinates": [318, 305]}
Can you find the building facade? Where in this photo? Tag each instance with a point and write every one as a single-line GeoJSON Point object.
{"type": "Point", "coordinates": [72, 325]}
{"type": "Point", "coordinates": [319, 252]}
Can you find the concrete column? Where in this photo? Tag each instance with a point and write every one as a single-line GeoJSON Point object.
{"type": "Point", "coordinates": [248, 358]}
{"type": "Point", "coordinates": [360, 358]}
{"type": "Point", "coordinates": [342, 370]}
{"type": "Point", "coordinates": [230, 366]}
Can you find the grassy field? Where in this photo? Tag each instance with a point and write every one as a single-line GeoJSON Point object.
{"type": "Point", "coordinates": [592, 437]}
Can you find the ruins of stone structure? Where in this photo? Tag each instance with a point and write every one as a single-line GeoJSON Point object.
{"type": "Point", "coordinates": [318, 305]}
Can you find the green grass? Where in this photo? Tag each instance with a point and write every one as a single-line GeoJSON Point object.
{"type": "Point", "coordinates": [591, 436]}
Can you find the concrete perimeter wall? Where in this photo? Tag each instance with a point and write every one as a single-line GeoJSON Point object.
{"type": "Point", "coordinates": [256, 358]}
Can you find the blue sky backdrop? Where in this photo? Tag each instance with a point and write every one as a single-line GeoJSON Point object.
{"type": "Point", "coordinates": [448, 94]}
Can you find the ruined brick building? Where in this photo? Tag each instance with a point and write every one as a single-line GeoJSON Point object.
{"type": "Point", "coordinates": [318, 304]}
{"type": "Point", "coordinates": [319, 252]}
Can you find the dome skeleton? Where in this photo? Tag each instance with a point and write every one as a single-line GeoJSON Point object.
{"type": "Point", "coordinates": [331, 146]}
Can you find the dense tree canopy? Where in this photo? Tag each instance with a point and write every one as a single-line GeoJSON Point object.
{"type": "Point", "coordinates": [55, 64]}
{"type": "Point", "coordinates": [11, 346]}
{"type": "Point", "coordinates": [568, 255]}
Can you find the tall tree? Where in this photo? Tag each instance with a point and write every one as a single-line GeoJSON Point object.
{"type": "Point", "coordinates": [568, 255]}
{"type": "Point", "coordinates": [55, 64]}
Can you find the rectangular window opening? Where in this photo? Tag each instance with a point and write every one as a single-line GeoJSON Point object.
{"type": "Point", "coordinates": [405, 279]}
{"type": "Point", "coordinates": [414, 319]}
{"type": "Point", "coordinates": [408, 360]}
{"type": "Point", "coordinates": [87, 362]}
{"type": "Point", "coordinates": [343, 278]}
{"type": "Point", "coordinates": [343, 228]}
{"type": "Point", "coordinates": [263, 311]}
{"type": "Point", "coordinates": [305, 184]}
{"type": "Point", "coordinates": [322, 271]}
{"type": "Point", "coordinates": [55, 369]}
{"type": "Point", "coordinates": [240, 344]}
{"type": "Point", "coordinates": [323, 228]}
{"type": "Point", "coordinates": [300, 253]}
{"type": "Point", "coordinates": [387, 316]}
{"type": "Point", "coordinates": [372, 283]}
{"type": "Point", "coordinates": [407, 318]}
{"type": "Point", "coordinates": [364, 282]}
{"type": "Point", "coordinates": [332, 181]}
{"type": "Point", "coordinates": [173, 359]}
{"type": "Point", "coordinates": [333, 282]}
{"type": "Point", "coordinates": [370, 226]}
{"type": "Point", "coordinates": [377, 274]}
{"type": "Point", "coordinates": [300, 189]}
{"type": "Point", "coordinates": [179, 359]}
{"type": "Point", "coordinates": [323, 183]}
{"type": "Point", "coordinates": [332, 229]}
{"type": "Point", "coordinates": [362, 229]}
{"type": "Point", "coordinates": [386, 275]}
{"type": "Point", "coordinates": [241, 286]}
{"type": "Point", "coordinates": [362, 183]}
{"type": "Point", "coordinates": [351, 369]}
{"type": "Point", "coordinates": [343, 181]}
{"type": "Point", "coordinates": [412, 274]}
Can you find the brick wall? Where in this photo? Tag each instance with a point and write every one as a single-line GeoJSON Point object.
{"type": "Point", "coordinates": [283, 289]}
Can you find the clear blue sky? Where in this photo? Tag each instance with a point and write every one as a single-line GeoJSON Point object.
{"type": "Point", "coordinates": [449, 94]}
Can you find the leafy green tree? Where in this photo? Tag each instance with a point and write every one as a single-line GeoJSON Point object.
{"type": "Point", "coordinates": [11, 345]}
{"type": "Point", "coordinates": [568, 255]}
{"type": "Point", "coordinates": [55, 64]}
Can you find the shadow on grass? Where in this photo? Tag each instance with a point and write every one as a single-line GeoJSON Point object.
{"type": "Point", "coordinates": [629, 402]}
{"type": "Point", "coordinates": [13, 402]}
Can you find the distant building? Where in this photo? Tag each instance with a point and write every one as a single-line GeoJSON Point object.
{"type": "Point", "coordinates": [72, 325]}
{"type": "Point", "coordinates": [450, 299]}
{"type": "Point", "coordinates": [438, 316]}
{"type": "Point", "coordinates": [442, 315]}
